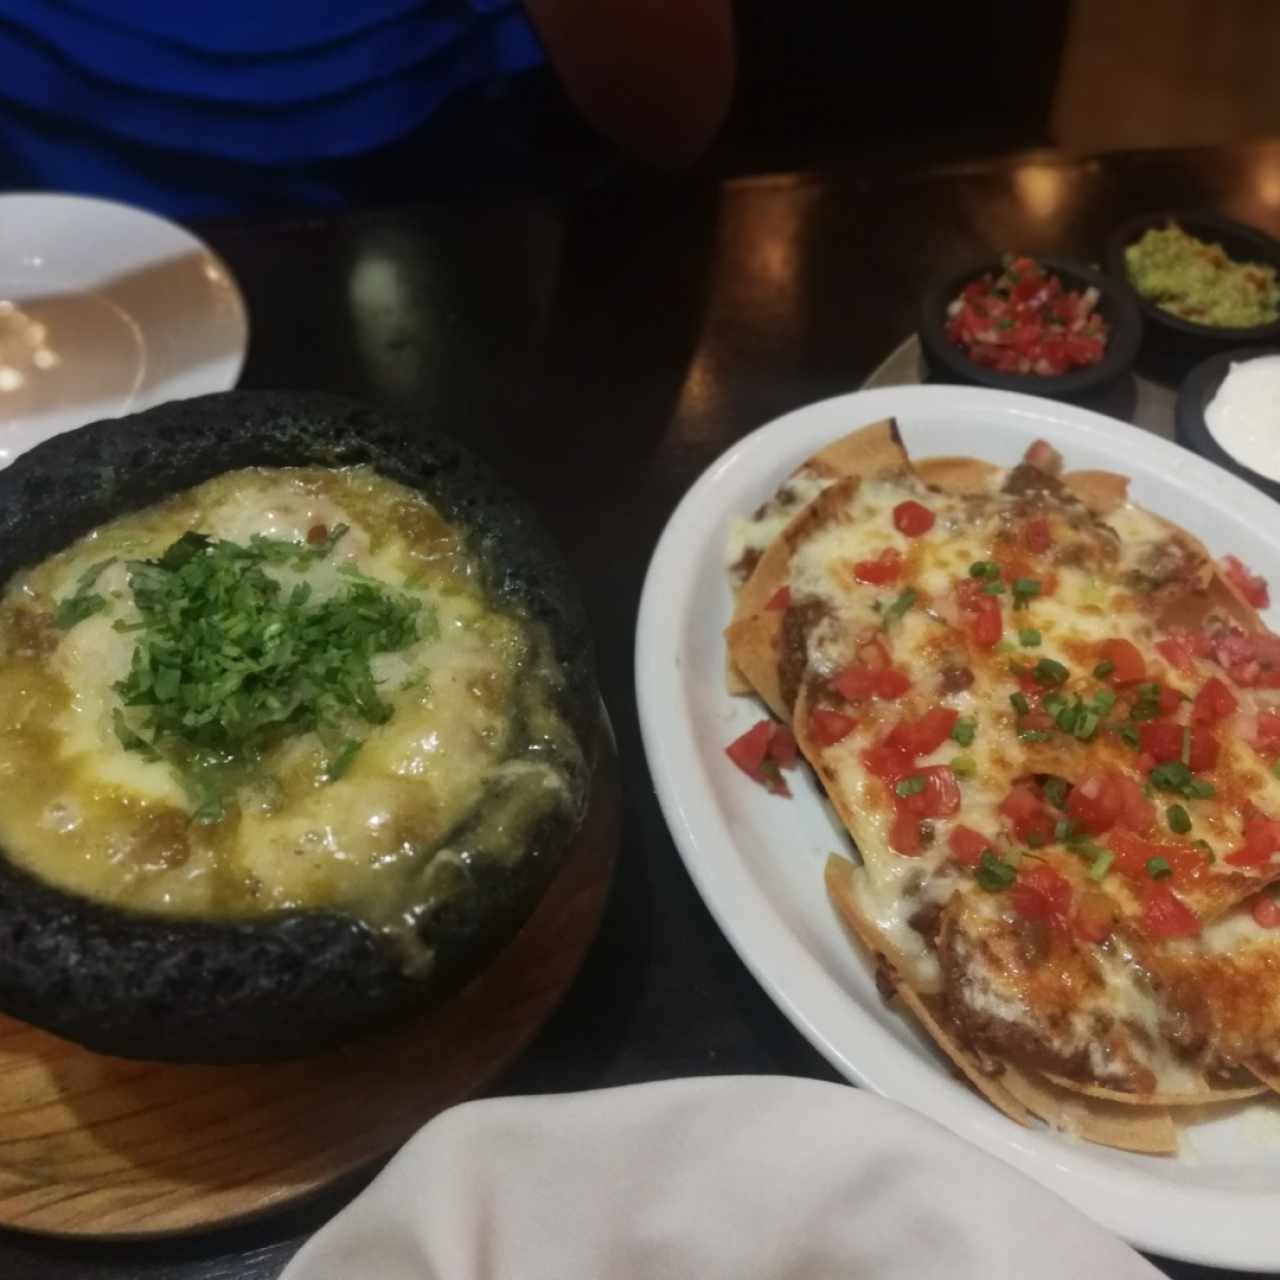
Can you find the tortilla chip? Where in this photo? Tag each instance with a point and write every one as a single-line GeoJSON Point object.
{"type": "Point", "coordinates": [1101, 491]}
{"type": "Point", "coordinates": [1207, 1095]}
{"type": "Point", "coordinates": [839, 873]}
{"type": "Point", "coordinates": [1267, 1074]}
{"type": "Point", "coordinates": [960, 475]}
{"type": "Point", "coordinates": [1149, 1130]}
{"type": "Point", "coordinates": [873, 450]}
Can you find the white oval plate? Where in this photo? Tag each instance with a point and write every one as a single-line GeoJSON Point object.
{"type": "Point", "coordinates": [757, 860]}
{"type": "Point", "coordinates": [105, 310]}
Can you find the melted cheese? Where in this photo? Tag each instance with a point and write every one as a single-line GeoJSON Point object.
{"type": "Point", "coordinates": [474, 729]}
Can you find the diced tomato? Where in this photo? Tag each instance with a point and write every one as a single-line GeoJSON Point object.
{"type": "Point", "coordinates": [904, 835]}
{"type": "Point", "coordinates": [1127, 663]}
{"type": "Point", "coordinates": [1203, 755]}
{"type": "Point", "coordinates": [886, 567]}
{"type": "Point", "coordinates": [1032, 821]}
{"type": "Point", "coordinates": [925, 734]}
{"type": "Point", "coordinates": [856, 683]}
{"type": "Point", "coordinates": [1036, 536]}
{"type": "Point", "coordinates": [1107, 799]}
{"type": "Point", "coordinates": [761, 751]}
{"type": "Point", "coordinates": [1161, 741]}
{"type": "Point", "coordinates": [1042, 894]}
{"type": "Point", "coordinates": [1169, 700]}
{"type": "Point", "coordinates": [1095, 916]}
{"type": "Point", "coordinates": [827, 727]}
{"type": "Point", "coordinates": [967, 845]}
{"type": "Point", "coordinates": [1165, 915]}
{"type": "Point", "coordinates": [783, 749]}
{"type": "Point", "coordinates": [1214, 702]}
{"type": "Point", "coordinates": [1266, 911]}
{"type": "Point", "coordinates": [985, 621]}
{"type": "Point", "coordinates": [1132, 853]}
{"type": "Point", "coordinates": [891, 684]}
{"type": "Point", "coordinates": [1266, 734]}
{"type": "Point", "coordinates": [1177, 652]}
{"type": "Point", "coordinates": [912, 518]}
{"type": "Point", "coordinates": [1261, 840]}
{"type": "Point", "coordinates": [1247, 583]}
{"type": "Point", "coordinates": [748, 752]}
{"type": "Point", "coordinates": [780, 600]}
{"type": "Point", "coordinates": [859, 682]}
{"type": "Point", "coordinates": [941, 795]}
{"type": "Point", "coordinates": [887, 761]}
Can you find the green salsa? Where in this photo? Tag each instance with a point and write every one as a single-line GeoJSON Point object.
{"type": "Point", "coordinates": [1199, 282]}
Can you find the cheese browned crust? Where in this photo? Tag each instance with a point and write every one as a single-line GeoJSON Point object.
{"type": "Point", "coordinates": [1103, 950]}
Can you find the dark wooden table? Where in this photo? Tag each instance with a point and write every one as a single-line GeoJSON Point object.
{"type": "Point", "coordinates": [602, 355]}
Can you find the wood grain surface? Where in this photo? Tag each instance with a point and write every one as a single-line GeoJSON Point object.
{"type": "Point", "coordinates": [109, 1147]}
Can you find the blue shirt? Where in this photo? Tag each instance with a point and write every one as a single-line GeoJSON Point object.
{"type": "Point", "coordinates": [213, 106]}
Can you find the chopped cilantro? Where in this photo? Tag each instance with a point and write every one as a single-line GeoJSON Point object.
{"type": "Point", "coordinates": [994, 874]}
{"type": "Point", "coordinates": [229, 662]}
{"type": "Point", "coordinates": [84, 601]}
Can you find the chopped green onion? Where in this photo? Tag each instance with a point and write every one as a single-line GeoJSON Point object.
{"type": "Point", "coordinates": [1129, 734]}
{"type": "Point", "coordinates": [1199, 789]}
{"type": "Point", "coordinates": [994, 589]}
{"type": "Point", "coordinates": [1048, 671]}
{"type": "Point", "coordinates": [1173, 775]}
{"type": "Point", "coordinates": [964, 766]}
{"type": "Point", "coordinates": [1024, 591]}
{"type": "Point", "coordinates": [911, 785]}
{"type": "Point", "coordinates": [1054, 702]}
{"type": "Point", "coordinates": [984, 569]}
{"type": "Point", "coordinates": [1178, 818]}
{"type": "Point", "coordinates": [1101, 864]}
{"type": "Point", "coordinates": [1055, 791]}
{"type": "Point", "coordinates": [1028, 637]}
{"type": "Point", "coordinates": [963, 731]}
{"type": "Point", "coordinates": [994, 874]}
{"type": "Point", "coordinates": [1159, 869]}
{"type": "Point", "coordinates": [342, 761]}
{"type": "Point", "coordinates": [1207, 849]}
{"type": "Point", "coordinates": [1103, 701]}
{"type": "Point", "coordinates": [900, 606]}
{"type": "Point", "coordinates": [1086, 726]}
{"type": "Point", "coordinates": [1035, 735]}
{"type": "Point", "coordinates": [1104, 669]}
{"type": "Point", "coordinates": [1020, 703]}
{"type": "Point", "coordinates": [1064, 830]}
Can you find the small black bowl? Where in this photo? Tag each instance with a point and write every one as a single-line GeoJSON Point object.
{"type": "Point", "coordinates": [1194, 397]}
{"type": "Point", "coordinates": [1242, 244]}
{"type": "Point", "coordinates": [1116, 305]}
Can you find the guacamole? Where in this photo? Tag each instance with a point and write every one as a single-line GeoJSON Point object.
{"type": "Point", "coordinates": [1198, 282]}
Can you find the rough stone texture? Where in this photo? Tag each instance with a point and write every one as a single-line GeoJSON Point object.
{"type": "Point", "coordinates": [144, 986]}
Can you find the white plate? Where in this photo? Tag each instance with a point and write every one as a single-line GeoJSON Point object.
{"type": "Point", "coordinates": [758, 859]}
{"type": "Point", "coordinates": [104, 310]}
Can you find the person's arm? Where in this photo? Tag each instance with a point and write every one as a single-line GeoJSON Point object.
{"type": "Point", "coordinates": [654, 76]}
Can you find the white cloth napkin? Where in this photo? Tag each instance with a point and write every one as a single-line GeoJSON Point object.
{"type": "Point", "coordinates": [745, 1178]}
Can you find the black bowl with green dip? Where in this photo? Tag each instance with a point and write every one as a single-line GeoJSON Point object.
{"type": "Point", "coordinates": [274, 689]}
{"type": "Point", "coordinates": [1181, 336]}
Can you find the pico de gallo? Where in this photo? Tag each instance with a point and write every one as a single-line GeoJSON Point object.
{"type": "Point", "coordinates": [1025, 321]}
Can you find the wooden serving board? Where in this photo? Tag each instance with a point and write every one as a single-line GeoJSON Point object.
{"type": "Point", "coordinates": [98, 1146]}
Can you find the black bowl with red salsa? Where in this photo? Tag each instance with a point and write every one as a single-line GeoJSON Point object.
{"type": "Point", "coordinates": [1040, 325]}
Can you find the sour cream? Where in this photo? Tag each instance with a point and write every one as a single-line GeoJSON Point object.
{"type": "Point", "coordinates": [1244, 415]}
